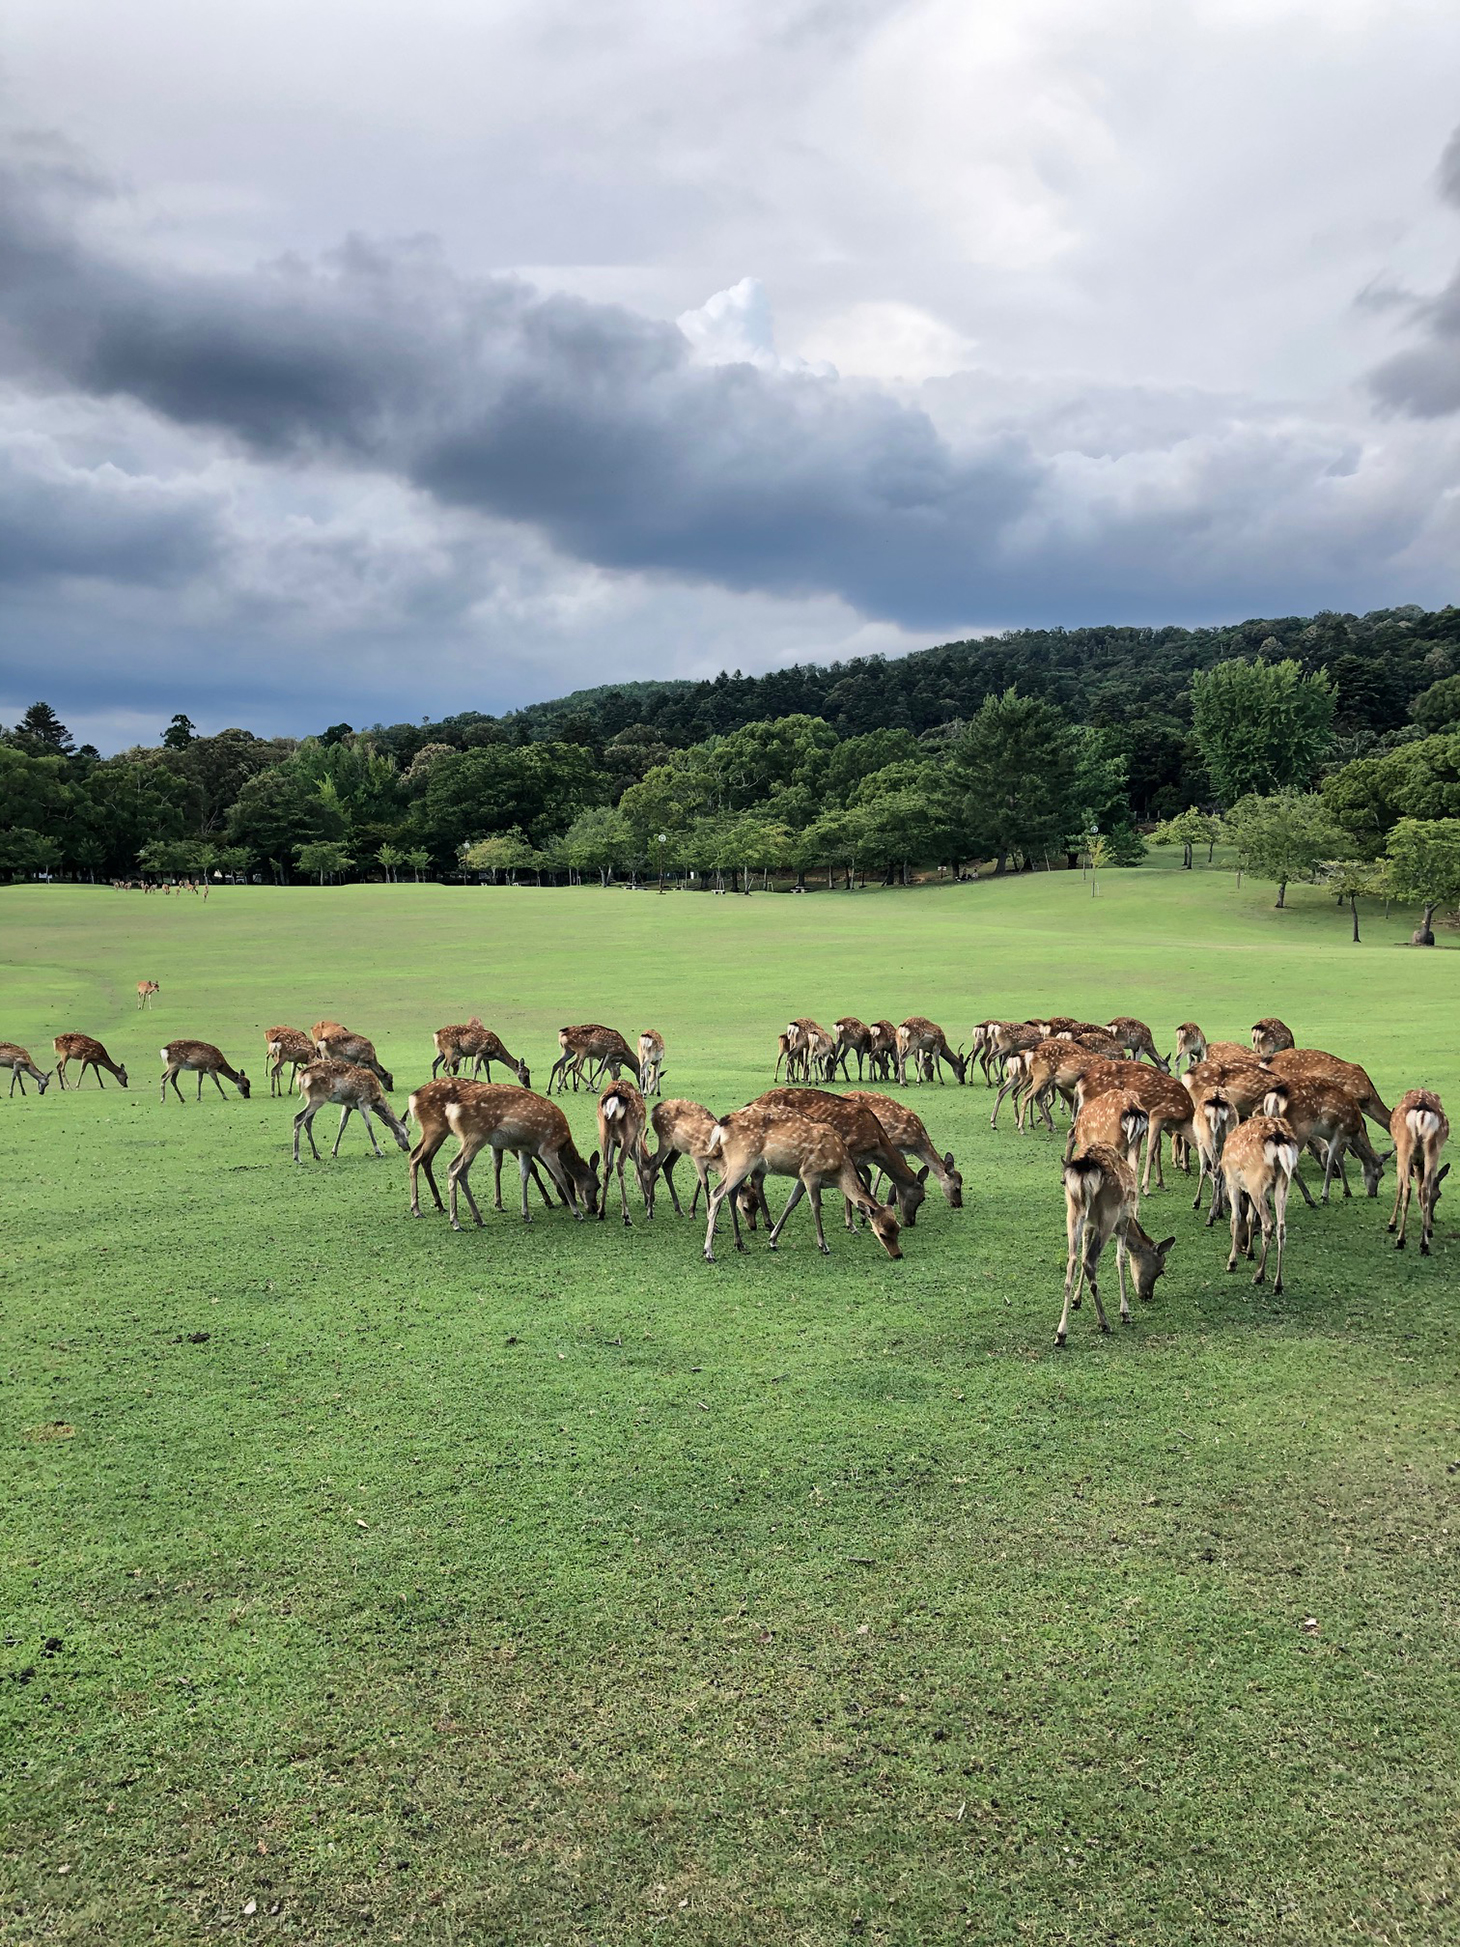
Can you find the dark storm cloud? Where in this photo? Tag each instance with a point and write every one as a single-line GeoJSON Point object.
{"type": "Point", "coordinates": [1424, 381]}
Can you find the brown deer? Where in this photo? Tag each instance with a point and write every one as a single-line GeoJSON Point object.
{"type": "Point", "coordinates": [470, 1041]}
{"type": "Point", "coordinates": [428, 1106]}
{"type": "Point", "coordinates": [683, 1128]}
{"type": "Point", "coordinates": [1136, 1040]}
{"type": "Point", "coordinates": [1191, 1044]}
{"type": "Point", "coordinates": [905, 1131]}
{"type": "Point", "coordinates": [853, 1037]}
{"type": "Point", "coordinates": [1008, 1038]}
{"type": "Point", "coordinates": [918, 1037]}
{"type": "Point", "coordinates": [758, 1140]}
{"type": "Point", "coordinates": [147, 992]}
{"type": "Point", "coordinates": [1312, 1064]}
{"type": "Point", "coordinates": [1033, 1075]}
{"type": "Point", "coordinates": [15, 1058]}
{"type": "Point", "coordinates": [90, 1054]}
{"type": "Point", "coordinates": [336, 1043]}
{"type": "Point", "coordinates": [866, 1141]}
{"type": "Point", "coordinates": [622, 1120]}
{"type": "Point", "coordinates": [1108, 1047]}
{"type": "Point", "coordinates": [1163, 1098]}
{"type": "Point", "coordinates": [1212, 1117]}
{"type": "Point", "coordinates": [505, 1117]}
{"type": "Point", "coordinates": [1258, 1161]}
{"type": "Point", "coordinates": [787, 1054]}
{"type": "Point", "coordinates": [1100, 1203]}
{"type": "Point", "coordinates": [591, 1043]}
{"type": "Point", "coordinates": [813, 1045]}
{"type": "Point", "coordinates": [358, 1089]}
{"type": "Point", "coordinates": [1420, 1129]}
{"type": "Point", "coordinates": [1244, 1081]}
{"type": "Point", "coordinates": [1115, 1121]}
{"type": "Point", "coordinates": [199, 1058]}
{"type": "Point", "coordinates": [883, 1052]}
{"type": "Point", "coordinates": [1270, 1036]}
{"type": "Point", "coordinates": [1322, 1112]}
{"type": "Point", "coordinates": [286, 1047]}
{"type": "Point", "coordinates": [651, 1062]}
{"type": "Point", "coordinates": [1059, 1024]}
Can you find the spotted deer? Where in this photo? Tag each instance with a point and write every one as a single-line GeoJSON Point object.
{"type": "Point", "coordinates": [1136, 1039]}
{"type": "Point", "coordinates": [905, 1131]}
{"type": "Point", "coordinates": [1115, 1121]}
{"type": "Point", "coordinates": [1166, 1102]}
{"type": "Point", "coordinates": [918, 1037]}
{"type": "Point", "coordinates": [591, 1043]}
{"type": "Point", "coordinates": [1320, 1112]}
{"type": "Point", "coordinates": [15, 1058]}
{"type": "Point", "coordinates": [286, 1047]}
{"type": "Point", "coordinates": [622, 1120]}
{"type": "Point", "coordinates": [470, 1041]}
{"type": "Point", "coordinates": [682, 1128]}
{"type": "Point", "coordinates": [534, 1129]}
{"type": "Point", "coordinates": [813, 1045]}
{"type": "Point", "coordinates": [1213, 1116]}
{"type": "Point", "coordinates": [1191, 1044]}
{"type": "Point", "coordinates": [427, 1107]}
{"type": "Point", "coordinates": [147, 992]}
{"type": "Point", "coordinates": [1420, 1129]}
{"type": "Point", "coordinates": [1270, 1036]}
{"type": "Point", "coordinates": [866, 1141]}
{"type": "Point", "coordinates": [336, 1043]}
{"type": "Point", "coordinates": [199, 1058]}
{"type": "Point", "coordinates": [1100, 1203]}
{"type": "Point", "coordinates": [774, 1141]}
{"type": "Point", "coordinates": [882, 1055]}
{"type": "Point", "coordinates": [1312, 1064]}
{"type": "Point", "coordinates": [90, 1054]}
{"type": "Point", "coordinates": [1258, 1161]}
{"type": "Point", "coordinates": [651, 1061]}
{"type": "Point", "coordinates": [853, 1037]}
{"type": "Point", "coordinates": [323, 1083]}
{"type": "Point", "coordinates": [1243, 1082]}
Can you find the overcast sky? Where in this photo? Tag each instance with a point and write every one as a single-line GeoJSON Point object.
{"type": "Point", "coordinates": [368, 361]}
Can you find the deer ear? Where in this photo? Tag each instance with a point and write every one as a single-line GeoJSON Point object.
{"type": "Point", "coordinates": [1162, 1249]}
{"type": "Point", "coordinates": [923, 1173]}
{"type": "Point", "coordinates": [948, 1160]}
{"type": "Point", "coordinates": [593, 1160]}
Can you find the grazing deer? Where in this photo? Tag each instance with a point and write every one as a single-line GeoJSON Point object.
{"type": "Point", "coordinates": [322, 1082]}
{"type": "Point", "coordinates": [1322, 1112]}
{"type": "Point", "coordinates": [15, 1058]}
{"type": "Point", "coordinates": [787, 1054]}
{"type": "Point", "coordinates": [147, 991]}
{"type": "Point", "coordinates": [918, 1037]}
{"type": "Point", "coordinates": [1032, 1075]}
{"type": "Point", "coordinates": [1115, 1121]}
{"type": "Point", "coordinates": [1164, 1099]}
{"type": "Point", "coordinates": [1059, 1024]}
{"type": "Point", "coordinates": [759, 1140]}
{"type": "Point", "coordinates": [90, 1054]}
{"type": "Point", "coordinates": [1212, 1116]}
{"type": "Point", "coordinates": [1312, 1064]}
{"type": "Point", "coordinates": [622, 1120]}
{"type": "Point", "coordinates": [470, 1041]}
{"type": "Point", "coordinates": [651, 1062]}
{"type": "Point", "coordinates": [1009, 1038]}
{"type": "Point", "coordinates": [428, 1107]}
{"type": "Point", "coordinates": [534, 1129]}
{"type": "Point", "coordinates": [866, 1141]}
{"type": "Point", "coordinates": [1420, 1129]}
{"type": "Point", "coordinates": [336, 1043]}
{"type": "Point", "coordinates": [905, 1131]}
{"type": "Point", "coordinates": [683, 1128]}
{"type": "Point", "coordinates": [199, 1058]}
{"type": "Point", "coordinates": [591, 1043]}
{"type": "Point", "coordinates": [1135, 1039]}
{"type": "Point", "coordinates": [883, 1052]}
{"type": "Point", "coordinates": [1100, 1203]}
{"type": "Point", "coordinates": [815, 1047]}
{"type": "Point", "coordinates": [1258, 1161]}
{"type": "Point", "coordinates": [1270, 1036]}
{"type": "Point", "coordinates": [286, 1047]}
{"type": "Point", "coordinates": [1191, 1044]}
{"type": "Point", "coordinates": [1096, 1041]}
{"type": "Point", "coordinates": [853, 1037]}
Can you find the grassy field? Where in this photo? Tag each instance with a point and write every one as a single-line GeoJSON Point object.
{"type": "Point", "coordinates": [366, 1581]}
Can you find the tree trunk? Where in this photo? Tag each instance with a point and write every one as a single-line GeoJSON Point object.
{"type": "Point", "coordinates": [1282, 898]}
{"type": "Point", "coordinates": [1072, 859]}
{"type": "Point", "coordinates": [800, 880]}
{"type": "Point", "coordinates": [1424, 933]}
{"type": "Point", "coordinates": [1001, 860]}
{"type": "Point", "coordinates": [905, 879]}
{"type": "Point", "coordinates": [1186, 860]}
{"type": "Point", "coordinates": [1354, 907]}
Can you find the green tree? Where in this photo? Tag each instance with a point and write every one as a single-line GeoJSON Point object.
{"type": "Point", "coordinates": [276, 812]}
{"type": "Point", "coordinates": [505, 852]}
{"type": "Point", "coordinates": [600, 839]}
{"type": "Point", "coordinates": [1262, 727]}
{"type": "Point", "coordinates": [1018, 764]}
{"type": "Point", "coordinates": [907, 817]}
{"type": "Point", "coordinates": [1438, 707]}
{"type": "Point", "coordinates": [391, 857]}
{"type": "Point", "coordinates": [539, 788]}
{"type": "Point", "coordinates": [418, 859]}
{"type": "Point", "coordinates": [753, 763]}
{"type": "Point", "coordinates": [1187, 829]}
{"type": "Point", "coordinates": [324, 858]}
{"type": "Point", "coordinates": [1350, 880]}
{"type": "Point", "coordinates": [171, 858]}
{"type": "Point", "coordinates": [24, 852]}
{"type": "Point", "coordinates": [1424, 865]}
{"type": "Point", "coordinates": [179, 733]}
{"type": "Point", "coordinates": [41, 733]}
{"type": "Point", "coordinates": [1284, 836]}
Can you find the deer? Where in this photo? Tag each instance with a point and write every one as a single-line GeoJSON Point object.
{"type": "Point", "coordinates": [18, 1061]}
{"type": "Point", "coordinates": [336, 1043]}
{"type": "Point", "coordinates": [1312, 1064]}
{"type": "Point", "coordinates": [905, 1131]}
{"type": "Point", "coordinates": [683, 1128]}
{"type": "Point", "coordinates": [1420, 1129]}
{"type": "Point", "coordinates": [470, 1041]}
{"type": "Point", "coordinates": [1115, 1121]}
{"type": "Point", "coordinates": [853, 1037]}
{"type": "Point", "coordinates": [651, 1060]}
{"type": "Point", "coordinates": [324, 1082]}
{"type": "Point", "coordinates": [428, 1107]}
{"type": "Point", "coordinates": [1009, 1038]}
{"type": "Point", "coordinates": [1100, 1203]}
{"type": "Point", "coordinates": [622, 1119]}
{"type": "Point", "coordinates": [918, 1036]}
{"type": "Point", "coordinates": [787, 1054]}
{"type": "Point", "coordinates": [757, 1140]}
{"type": "Point", "coordinates": [1165, 1100]}
{"type": "Point", "coordinates": [1033, 1074]}
{"type": "Point", "coordinates": [865, 1138]}
{"type": "Point", "coordinates": [286, 1047]}
{"type": "Point", "coordinates": [1059, 1024]}
{"type": "Point", "coordinates": [147, 992]}
{"type": "Point", "coordinates": [91, 1054]}
{"type": "Point", "coordinates": [1191, 1044]}
{"type": "Point", "coordinates": [1322, 1112]}
{"type": "Point", "coordinates": [816, 1048]}
{"type": "Point", "coordinates": [1270, 1036]}
{"type": "Point", "coordinates": [1258, 1161]}
{"type": "Point", "coordinates": [1213, 1115]}
{"type": "Point", "coordinates": [882, 1055]}
{"type": "Point", "coordinates": [1108, 1047]}
{"type": "Point", "coordinates": [505, 1117]}
{"type": "Point", "coordinates": [1135, 1039]}
{"type": "Point", "coordinates": [199, 1058]}
{"type": "Point", "coordinates": [981, 1048]}
{"type": "Point", "coordinates": [591, 1043]}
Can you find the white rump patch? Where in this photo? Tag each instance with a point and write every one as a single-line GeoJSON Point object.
{"type": "Point", "coordinates": [164, 1054]}
{"type": "Point", "coordinates": [716, 1135]}
{"type": "Point", "coordinates": [1423, 1122]}
{"type": "Point", "coordinates": [614, 1106]}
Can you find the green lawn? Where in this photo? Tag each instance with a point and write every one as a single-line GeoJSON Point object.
{"type": "Point", "coordinates": [367, 1581]}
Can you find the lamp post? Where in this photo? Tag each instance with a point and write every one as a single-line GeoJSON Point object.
{"type": "Point", "coordinates": [663, 841]}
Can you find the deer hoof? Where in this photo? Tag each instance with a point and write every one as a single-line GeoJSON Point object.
{"type": "Point", "coordinates": [1399, 1242]}
{"type": "Point", "coordinates": [1105, 1325]}
{"type": "Point", "coordinates": [1059, 1341]}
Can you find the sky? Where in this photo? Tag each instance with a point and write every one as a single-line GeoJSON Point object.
{"type": "Point", "coordinates": [362, 362]}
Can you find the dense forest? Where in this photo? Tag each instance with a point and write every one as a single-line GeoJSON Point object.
{"type": "Point", "coordinates": [1019, 749]}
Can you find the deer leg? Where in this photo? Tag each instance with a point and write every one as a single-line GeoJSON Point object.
{"type": "Point", "coordinates": [666, 1170]}
{"type": "Point", "coordinates": [369, 1130]}
{"type": "Point", "coordinates": [1092, 1263]}
{"type": "Point", "coordinates": [1280, 1226]}
{"type": "Point", "coordinates": [821, 1243]}
{"type": "Point", "coordinates": [421, 1159]}
{"type": "Point", "coordinates": [1307, 1193]}
{"type": "Point", "coordinates": [1120, 1280]}
{"type": "Point", "coordinates": [456, 1177]}
{"type": "Point", "coordinates": [306, 1117]}
{"type": "Point", "coordinates": [795, 1197]}
{"type": "Point", "coordinates": [1399, 1188]}
{"type": "Point", "coordinates": [727, 1186]}
{"type": "Point", "coordinates": [1234, 1199]}
{"type": "Point", "coordinates": [623, 1193]}
{"type": "Point", "coordinates": [524, 1167]}
{"type": "Point", "coordinates": [1264, 1217]}
{"type": "Point", "coordinates": [542, 1188]}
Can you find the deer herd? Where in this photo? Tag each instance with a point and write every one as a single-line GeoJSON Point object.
{"type": "Point", "coordinates": [1244, 1113]}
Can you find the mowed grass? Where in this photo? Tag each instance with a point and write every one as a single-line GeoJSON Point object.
{"type": "Point", "coordinates": [367, 1581]}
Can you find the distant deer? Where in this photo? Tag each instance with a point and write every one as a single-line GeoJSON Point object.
{"type": "Point", "coordinates": [336, 1043]}
{"type": "Point", "coordinates": [15, 1058]}
{"type": "Point", "coordinates": [785, 1053]}
{"type": "Point", "coordinates": [323, 1082]}
{"type": "Point", "coordinates": [147, 991]}
{"type": "Point", "coordinates": [853, 1037]}
{"type": "Point", "coordinates": [866, 1141]}
{"type": "Point", "coordinates": [199, 1058]}
{"type": "Point", "coordinates": [651, 1060]}
{"type": "Point", "coordinates": [90, 1054]}
{"type": "Point", "coordinates": [591, 1043]}
{"type": "Point", "coordinates": [1420, 1129]}
{"type": "Point", "coordinates": [905, 1131]}
{"type": "Point", "coordinates": [470, 1041]}
{"type": "Point", "coordinates": [883, 1052]}
{"type": "Point", "coordinates": [1100, 1203]}
{"type": "Point", "coordinates": [1257, 1165]}
{"type": "Point", "coordinates": [1312, 1064]}
{"type": "Point", "coordinates": [534, 1129]}
{"type": "Point", "coordinates": [815, 1048]}
{"type": "Point", "coordinates": [919, 1036]}
{"type": "Point", "coordinates": [1270, 1036]}
{"type": "Point", "coordinates": [757, 1140]}
{"type": "Point", "coordinates": [1136, 1039]}
{"type": "Point", "coordinates": [1320, 1111]}
{"type": "Point", "coordinates": [286, 1047]}
{"type": "Point", "coordinates": [622, 1120]}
